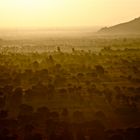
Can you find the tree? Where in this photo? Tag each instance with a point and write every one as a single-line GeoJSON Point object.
{"type": "Point", "coordinates": [99, 69]}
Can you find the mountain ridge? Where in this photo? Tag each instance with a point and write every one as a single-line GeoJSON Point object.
{"type": "Point", "coordinates": [130, 27]}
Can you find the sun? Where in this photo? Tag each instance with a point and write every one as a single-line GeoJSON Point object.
{"type": "Point", "coordinates": [27, 3]}
{"type": "Point", "coordinates": [37, 3]}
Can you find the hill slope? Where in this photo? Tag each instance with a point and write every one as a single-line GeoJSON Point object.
{"type": "Point", "coordinates": [131, 27]}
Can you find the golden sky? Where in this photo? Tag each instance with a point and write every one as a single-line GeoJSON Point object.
{"type": "Point", "coordinates": [63, 13]}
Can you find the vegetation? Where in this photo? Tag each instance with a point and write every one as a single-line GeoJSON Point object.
{"type": "Point", "coordinates": [51, 92]}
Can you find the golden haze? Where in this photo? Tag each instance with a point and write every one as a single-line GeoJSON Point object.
{"type": "Point", "coordinates": [63, 13]}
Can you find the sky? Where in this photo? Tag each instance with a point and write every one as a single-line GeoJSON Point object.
{"type": "Point", "coordinates": [66, 13]}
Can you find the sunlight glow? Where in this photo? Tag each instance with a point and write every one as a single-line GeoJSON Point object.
{"type": "Point", "coordinates": [46, 13]}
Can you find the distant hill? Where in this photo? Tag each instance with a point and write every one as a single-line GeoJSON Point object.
{"type": "Point", "coordinates": [131, 27]}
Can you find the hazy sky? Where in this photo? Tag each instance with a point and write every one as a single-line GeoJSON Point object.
{"type": "Point", "coordinates": [55, 13]}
